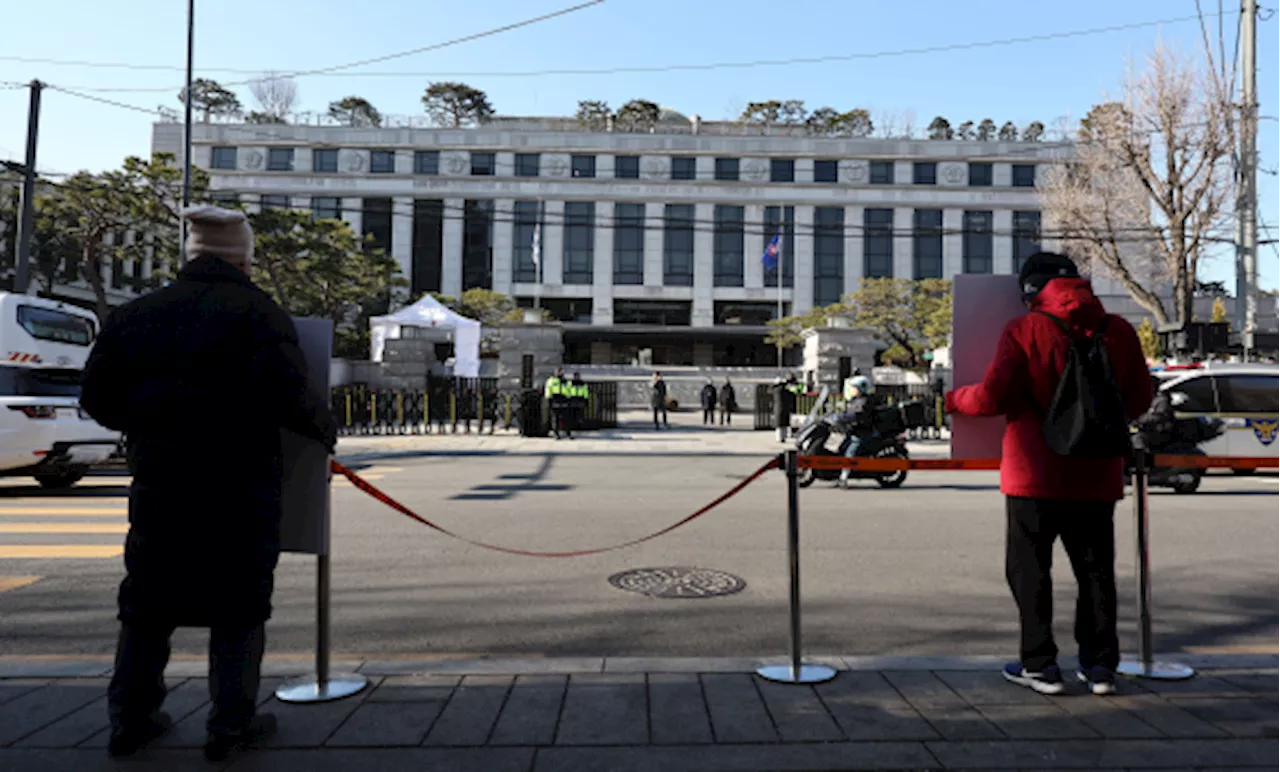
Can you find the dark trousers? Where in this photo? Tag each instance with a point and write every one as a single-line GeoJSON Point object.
{"type": "Point", "coordinates": [663, 410]}
{"type": "Point", "coordinates": [708, 415]}
{"type": "Point", "coordinates": [1088, 535]}
{"type": "Point", "coordinates": [235, 666]}
{"type": "Point", "coordinates": [726, 415]}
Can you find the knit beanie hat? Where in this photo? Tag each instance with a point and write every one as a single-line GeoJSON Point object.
{"type": "Point", "coordinates": [1042, 267]}
{"type": "Point", "coordinates": [216, 232]}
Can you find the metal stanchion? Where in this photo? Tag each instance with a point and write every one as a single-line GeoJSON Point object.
{"type": "Point", "coordinates": [796, 672]}
{"type": "Point", "coordinates": [322, 686]}
{"type": "Point", "coordinates": [1146, 666]}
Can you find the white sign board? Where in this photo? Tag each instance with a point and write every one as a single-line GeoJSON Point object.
{"type": "Point", "coordinates": [304, 525]}
{"type": "Point", "coordinates": [981, 306]}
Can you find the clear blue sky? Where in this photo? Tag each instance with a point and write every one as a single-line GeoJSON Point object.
{"type": "Point", "coordinates": [1043, 80]}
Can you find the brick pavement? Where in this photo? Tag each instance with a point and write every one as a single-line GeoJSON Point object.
{"type": "Point", "coordinates": [586, 714]}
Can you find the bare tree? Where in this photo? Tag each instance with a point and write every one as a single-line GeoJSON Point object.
{"type": "Point", "coordinates": [1149, 183]}
{"type": "Point", "coordinates": [276, 95]}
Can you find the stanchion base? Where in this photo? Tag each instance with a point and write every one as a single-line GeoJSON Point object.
{"type": "Point", "coordinates": [808, 674]}
{"type": "Point", "coordinates": [308, 689]}
{"type": "Point", "coordinates": [1158, 671]}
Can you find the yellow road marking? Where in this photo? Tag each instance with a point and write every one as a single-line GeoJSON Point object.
{"type": "Point", "coordinates": [64, 527]}
{"type": "Point", "coordinates": [14, 582]}
{"type": "Point", "coordinates": [26, 511]}
{"type": "Point", "coordinates": [17, 551]}
{"type": "Point", "coordinates": [1240, 648]}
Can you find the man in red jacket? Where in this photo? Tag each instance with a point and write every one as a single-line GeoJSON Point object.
{"type": "Point", "coordinates": [1049, 495]}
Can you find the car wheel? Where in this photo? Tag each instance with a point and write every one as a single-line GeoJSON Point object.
{"type": "Point", "coordinates": [61, 479]}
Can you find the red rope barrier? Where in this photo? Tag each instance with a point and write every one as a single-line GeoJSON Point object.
{"type": "Point", "coordinates": [402, 509]}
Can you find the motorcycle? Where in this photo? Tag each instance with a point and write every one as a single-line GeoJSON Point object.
{"type": "Point", "coordinates": [1182, 438]}
{"type": "Point", "coordinates": [887, 442]}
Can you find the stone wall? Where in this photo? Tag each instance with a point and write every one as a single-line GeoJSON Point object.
{"type": "Point", "coordinates": [544, 342]}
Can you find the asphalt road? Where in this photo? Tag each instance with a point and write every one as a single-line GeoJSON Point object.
{"type": "Point", "coordinates": [911, 571]}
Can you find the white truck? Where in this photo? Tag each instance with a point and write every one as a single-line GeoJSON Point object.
{"type": "Point", "coordinates": [44, 434]}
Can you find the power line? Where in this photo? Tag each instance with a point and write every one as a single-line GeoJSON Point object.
{"type": "Point", "coordinates": [694, 67]}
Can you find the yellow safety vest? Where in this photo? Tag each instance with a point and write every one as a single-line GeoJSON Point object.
{"type": "Point", "coordinates": [556, 387]}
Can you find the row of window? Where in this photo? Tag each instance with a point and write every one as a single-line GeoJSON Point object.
{"type": "Point", "coordinates": [627, 167]}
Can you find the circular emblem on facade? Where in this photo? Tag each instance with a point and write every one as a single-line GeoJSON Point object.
{"type": "Point", "coordinates": [354, 162]}
{"type": "Point", "coordinates": [456, 164]}
{"type": "Point", "coordinates": [678, 582]}
{"type": "Point", "coordinates": [854, 171]}
{"type": "Point", "coordinates": [655, 169]}
{"type": "Point", "coordinates": [953, 173]}
{"type": "Point", "coordinates": [556, 167]}
{"type": "Point", "coordinates": [253, 160]}
{"type": "Point", "coordinates": [754, 171]}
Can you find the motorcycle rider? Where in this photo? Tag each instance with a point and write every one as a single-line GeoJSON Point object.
{"type": "Point", "coordinates": [856, 420]}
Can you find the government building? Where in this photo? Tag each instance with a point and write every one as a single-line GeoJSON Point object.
{"type": "Point", "coordinates": [648, 245]}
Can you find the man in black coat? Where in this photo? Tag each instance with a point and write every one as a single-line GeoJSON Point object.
{"type": "Point", "coordinates": [200, 376]}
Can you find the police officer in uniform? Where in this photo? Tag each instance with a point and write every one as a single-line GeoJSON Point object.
{"type": "Point", "coordinates": [578, 395]}
{"type": "Point", "coordinates": [557, 391]}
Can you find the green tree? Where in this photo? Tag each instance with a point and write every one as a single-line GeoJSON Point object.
{"type": "Point", "coordinates": [986, 130]}
{"type": "Point", "coordinates": [820, 121]}
{"type": "Point", "coordinates": [940, 128]}
{"type": "Point", "coordinates": [320, 268]}
{"type": "Point", "coordinates": [209, 98]}
{"type": "Point", "coordinates": [259, 117]}
{"type": "Point", "coordinates": [788, 331]}
{"type": "Point", "coordinates": [143, 197]}
{"type": "Point", "coordinates": [638, 115]}
{"type": "Point", "coordinates": [1150, 341]}
{"type": "Point", "coordinates": [455, 105]}
{"type": "Point", "coordinates": [792, 112]}
{"type": "Point", "coordinates": [1033, 132]}
{"type": "Point", "coordinates": [764, 113]}
{"type": "Point", "coordinates": [356, 112]}
{"type": "Point", "coordinates": [1008, 132]}
{"type": "Point", "coordinates": [965, 131]}
{"type": "Point", "coordinates": [594, 114]}
{"type": "Point", "coordinates": [913, 317]}
{"type": "Point", "coordinates": [854, 123]}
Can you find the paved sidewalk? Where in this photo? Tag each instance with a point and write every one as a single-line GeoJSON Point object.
{"type": "Point", "coordinates": [619, 714]}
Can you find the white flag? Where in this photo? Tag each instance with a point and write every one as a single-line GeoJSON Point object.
{"type": "Point", "coordinates": [537, 244]}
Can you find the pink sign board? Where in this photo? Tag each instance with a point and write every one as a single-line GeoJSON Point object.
{"type": "Point", "coordinates": [981, 306]}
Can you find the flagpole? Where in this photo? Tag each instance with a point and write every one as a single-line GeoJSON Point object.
{"type": "Point", "coordinates": [537, 258]}
{"type": "Point", "coordinates": [779, 277]}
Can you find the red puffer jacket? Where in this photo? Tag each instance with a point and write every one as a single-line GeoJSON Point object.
{"type": "Point", "coordinates": [1029, 361]}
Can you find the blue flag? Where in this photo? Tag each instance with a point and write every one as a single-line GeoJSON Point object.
{"type": "Point", "coordinates": [770, 258]}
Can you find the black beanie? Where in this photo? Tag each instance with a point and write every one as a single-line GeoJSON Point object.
{"type": "Point", "coordinates": [1043, 266]}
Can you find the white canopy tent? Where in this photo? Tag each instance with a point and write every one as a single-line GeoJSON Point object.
{"type": "Point", "coordinates": [429, 312]}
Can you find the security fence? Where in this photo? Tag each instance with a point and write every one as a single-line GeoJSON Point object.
{"type": "Point", "coordinates": [450, 403]}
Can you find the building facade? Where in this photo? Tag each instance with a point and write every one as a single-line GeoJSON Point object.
{"type": "Point", "coordinates": [647, 245]}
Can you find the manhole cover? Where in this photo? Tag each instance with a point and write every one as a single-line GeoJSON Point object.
{"type": "Point", "coordinates": [678, 582]}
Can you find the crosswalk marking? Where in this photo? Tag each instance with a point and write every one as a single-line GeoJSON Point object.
{"type": "Point", "coordinates": [58, 551]}
{"type": "Point", "coordinates": [64, 527]}
{"type": "Point", "coordinates": [14, 582]}
{"type": "Point", "coordinates": [61, 512]}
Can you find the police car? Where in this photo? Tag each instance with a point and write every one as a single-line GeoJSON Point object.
{"type": "Point", "coordinates": [44, 434]}
{"type": "Point", "coordinates": [1246, 398]}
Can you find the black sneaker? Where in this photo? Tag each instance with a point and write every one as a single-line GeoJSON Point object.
{"type": "Point", "coordinates": [1047, 681]}
{"type": "Point", "coordinates": [218, 746]}
{"type": "Point", "coordinates": [1101, 680]}
{"type": "Point", "coordinates": [128, 740]}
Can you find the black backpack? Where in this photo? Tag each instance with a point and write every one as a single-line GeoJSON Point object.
{"type": "Point", "coordinates": [1086, 417]}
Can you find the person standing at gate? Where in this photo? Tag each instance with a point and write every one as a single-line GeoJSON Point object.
{"type": "Point", "coordinates": [784, 404]}
{"type": "Point", "coordinates": [579, 395]}
{"type": "Point", "coordinates": [557, 392]}
{"type": "Point", "coordinates": [728, 403]}
{"type": "Point", "coordinates": [1069, 378]}
{"type": "Point", "coordinates": [204, 505]}
{"type": "Point", "coordinates": [708, 398]}
{"type": "Point", "coordinates": [658, 401]}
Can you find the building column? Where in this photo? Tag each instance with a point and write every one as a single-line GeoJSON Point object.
{"type": "Point", "coordinates": [853, 261]}
{"type": "Point", "coordinates": [353, 214]}
{"type": "Point", "coordinates": [802, 273]}
{"type": "Point", "coordinates": [602, 266]}
{"type": "Point", "coordinates": [903, 248]}
{"type": "Point", "coordinates": [504, 232]}
{"type": "Point", "coordinates": [753, 246]}
{"type": "Point", "coordinates": [952, 243]}
{"type": "Point", "coordinates": [402, 234]}
{"type": "Point", "coordinates": [553, 244]}
{"type": "Point", "coordinates": [804, 170]}
{"type": "Point", "coordinates": [703, 265]}
{"type": "Point", "coordinates": [1002, 242]}
{"type": "Point", "coordinates": [451, 248]}
{"type": "Point", "coordinates": [653, 229]}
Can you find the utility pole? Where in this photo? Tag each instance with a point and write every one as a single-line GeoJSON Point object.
{"type": "Point", "coordinates": [26, 220]}
{"type": "Point", "coordinates": [1247, 184]}
{"type": "Point", "coordinates": [186, 132]}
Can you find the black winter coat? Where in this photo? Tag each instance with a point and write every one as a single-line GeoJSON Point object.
{"type": "Point", "coordinates": [201, 376]}
{"type": "Point", "coordinates": [708, 397]}
{"type": "Point", "coordinates": [658, 395]}
{"type": "Point", "coordinates": [784, 404]}
{"type": "Point", "coordinates": [728, 400]}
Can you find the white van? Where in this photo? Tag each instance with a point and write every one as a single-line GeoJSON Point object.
{"type": "Point", "coordinates": [44, 345]}
{"type": "Point", "coordinates": [1246, 398]}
